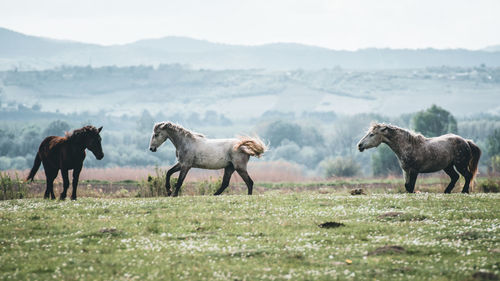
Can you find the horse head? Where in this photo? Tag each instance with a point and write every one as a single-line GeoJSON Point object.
{"type": "Point", "coordinates": [377, 134]}
{"type": "Point", "coordinates": [159, 136]}
{"type": "Point", "coordinates": [93, 143]}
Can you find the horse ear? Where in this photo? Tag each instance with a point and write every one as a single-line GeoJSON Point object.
{"type": "Point", "coordinates": [383, 129]}
{"type": "Point", "coordinates": [99, 130]}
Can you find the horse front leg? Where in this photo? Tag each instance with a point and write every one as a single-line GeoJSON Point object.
{"type": "Point", "coordinates": [64, 173]}
{"type": "Point", "coordinates": [76, 176]}
{"type": "Point", "coordinates": [410, 179]}
{"type": "Point", "coordinates": [182, 176]}
{"type": "Point", "coordinates": [228, 171]}
{"type": "Point", "coordinates": [175, 168]}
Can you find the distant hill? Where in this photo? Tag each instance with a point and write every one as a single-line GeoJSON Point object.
{"type": "Point", "coordinates": [493, 48]}
{"type": "Point", "coordinates": [30, 52]}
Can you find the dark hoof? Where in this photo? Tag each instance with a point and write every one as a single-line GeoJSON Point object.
{"type": "Point", "coordinates": [175, 194]}
{"type": "Point", "coordinates": [62, 198]}
{"type": "Point", "coordinates": [73, 198]}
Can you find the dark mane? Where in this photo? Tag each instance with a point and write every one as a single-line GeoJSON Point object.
{"type": "Point", "coordinates": [81, 132]}
{"type": "Point", "coordinates": [412, 137]}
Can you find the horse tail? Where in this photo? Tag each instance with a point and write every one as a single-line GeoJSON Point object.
{"type": "Point", "coordinates": [36, 165]}
{"type": "Point", "coordinates": [252, 146]}
{"type": "Point", "coordinates": [476, 153]}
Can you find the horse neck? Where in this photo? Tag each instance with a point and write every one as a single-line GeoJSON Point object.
{"type": "Point", "coordinates": [176, 137]}
{"type": "Point", "coordinates": [78, 143]}
{"type": "Point", "coordinates": [400, 142]}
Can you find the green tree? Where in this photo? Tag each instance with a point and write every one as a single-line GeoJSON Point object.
{"type": "Point", "coordinates": [434, 121]}
{"type": "Point", "coordinates": [385, 162]}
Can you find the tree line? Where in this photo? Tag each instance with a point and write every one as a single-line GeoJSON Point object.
{"type": "Point", "coordinates": [324, 143]}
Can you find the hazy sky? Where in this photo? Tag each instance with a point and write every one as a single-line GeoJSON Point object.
{"type": "Point", "coordinates": [334, 24]}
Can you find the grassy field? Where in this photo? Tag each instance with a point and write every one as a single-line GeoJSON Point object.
{"type": "Point", "coordinates": [274, 236]}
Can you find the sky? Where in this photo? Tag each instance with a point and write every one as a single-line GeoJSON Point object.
{"type": "Point", "coordinates": [334, 24]}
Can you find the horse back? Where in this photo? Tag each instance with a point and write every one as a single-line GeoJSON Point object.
{"type": "Point", "coordinates": [56, 152]}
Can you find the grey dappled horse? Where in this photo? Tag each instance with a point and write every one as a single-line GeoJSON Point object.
{"type": "Point", "coordinates": [418, 154]}
{"type": "Point", "coordinates": [194, 150]}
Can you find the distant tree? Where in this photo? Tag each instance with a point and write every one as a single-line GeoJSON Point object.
{"type": "Point", "coordinates": [493, 143]}
{"type": "Point", "coordinates": [340, 167]}
{"type": "Point", "coordinates": [145, 122]}
{"type": "Point", "coordinates": [56, 128]}
{"type": "Point", "coordinates": [434, 121]}
{"type": "Point", "coordinates": [278, 131]}
{"type": "Point", "coordinates": [36, 107]}
{"type": "Point", "coordinates": [31, 138]}
{"type": "Point", "coordinates": [385, 162]}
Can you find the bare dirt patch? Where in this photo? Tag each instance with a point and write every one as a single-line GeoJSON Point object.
{"type": "Point", "coordinates": [331, 224]}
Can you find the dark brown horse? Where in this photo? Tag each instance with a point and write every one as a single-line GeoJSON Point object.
{"type": "Point", "coordinates": [66, 153]}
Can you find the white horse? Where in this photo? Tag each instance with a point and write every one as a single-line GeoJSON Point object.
{"type": "Point", "coordinates": [194, 150]}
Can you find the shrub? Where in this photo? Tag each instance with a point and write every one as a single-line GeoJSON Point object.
{"type": "Point", "coordinates": [12, 188]}
{"type": "Point", "coordinates": [208, 187]}
{"type": "Point", "coordinates": [154, 186]}
{"type": "Point", "coordinates": [340, 167]}
{"type": "Point", "coordinates": [490, 186]}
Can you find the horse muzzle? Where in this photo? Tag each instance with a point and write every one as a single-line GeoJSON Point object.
{"type": "Point", "coordinates": [361, 148]}
{"type": "Point", "coordinates": [100, 157]}
{"type": "Point", "coordinates": [153, 149]}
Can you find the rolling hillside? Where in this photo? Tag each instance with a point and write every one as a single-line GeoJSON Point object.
{"type": "Point", "coordinates": [29, 52]}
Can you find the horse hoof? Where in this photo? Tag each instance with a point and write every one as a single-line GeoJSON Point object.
{"type": "Point", "coordinates": [73, 198]}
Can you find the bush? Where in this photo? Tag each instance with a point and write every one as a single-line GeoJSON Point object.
{"type": "Point", "coordinates": [490, 186]}
{"type": "Point", "coordinates": [340, 167]}
{"type": "Point", "coordinates": [12, 188]}
{"type": "Point", "coordinates": [208, 187]}
{"type": "Point", "coordinates": [154, 186]}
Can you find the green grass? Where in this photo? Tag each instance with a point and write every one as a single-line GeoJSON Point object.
{"type": "Point", "coordinates": [266, 237]}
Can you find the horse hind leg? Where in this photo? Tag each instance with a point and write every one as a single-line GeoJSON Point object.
{"type": "Point", "coordinates": [246, 178]}
{"type": "Point", "coordinates": [450, 171]}
{"type": "Point", "coordinates": [228, 171]}
{"type": "Point", "coordinates": [464, 171]}
{"type": "Point", "coordinates": [64, 174]}
{"type": "Point", "coordinates": [50, 175]}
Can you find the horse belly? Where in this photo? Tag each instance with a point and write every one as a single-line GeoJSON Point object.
{"type": "Point", "coordinates": [210, 162]}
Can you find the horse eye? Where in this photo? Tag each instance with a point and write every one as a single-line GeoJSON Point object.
{"type": "Point", "coordinates": [372, 134]}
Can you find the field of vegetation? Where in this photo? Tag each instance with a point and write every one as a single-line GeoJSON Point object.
{"type": "Point", "coordinates": [315, 235]}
